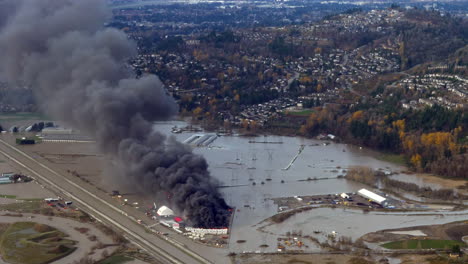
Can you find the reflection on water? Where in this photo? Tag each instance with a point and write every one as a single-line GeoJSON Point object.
{"type": "Point", "coordinates": [19, 243]}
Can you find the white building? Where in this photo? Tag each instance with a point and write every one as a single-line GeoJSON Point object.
{"type": "Point", "coordinates": [373, 197]}
{"type": "Point", "coordinates": [165, 211]}
{"type": "Point", "coordinates": [56, 131]}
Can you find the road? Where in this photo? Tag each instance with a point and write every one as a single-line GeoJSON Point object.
{"type": "Point", "coordinates": [294, 77]}
{"type": "Point", "coordinates": [165, 251]}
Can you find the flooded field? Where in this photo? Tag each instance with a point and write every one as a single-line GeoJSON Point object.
{"type": "Point", "coordinates": [239, 162]}
{"type": "Point", "coordinates": [355, 223]}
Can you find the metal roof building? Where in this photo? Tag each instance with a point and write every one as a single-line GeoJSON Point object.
{"type": "Point", "coordinates": [56, 131]}
{"type": "Point", "coordinates": [5, 180]}
{"type": "Point", "coordinates": [372, 196]}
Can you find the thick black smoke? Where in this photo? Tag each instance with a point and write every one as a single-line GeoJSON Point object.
{"type": "Point", "coordinates": [77, 71]}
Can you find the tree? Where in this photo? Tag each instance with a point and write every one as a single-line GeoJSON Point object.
{"type": "Point", "coordinates": [220, 76]}
{"type": "Point", "coordinates": [416, 160]}
{"type": "Point", "coordinates": [245, 124]}
{"type": "Point", "coordinates": [319, 87]}
{"type": "Point", "coordinates": [456, 249]}
{"type": "Point", "coordinates": [197, 111]}
{"type": "Point", "coordinates": [253, 126]}
{"type": "Point", "coordinates": [357, 115]}
{"type": "Point", "coordinates": [361, 174]}
{"type": "Point", "coordinates": [279, 46]}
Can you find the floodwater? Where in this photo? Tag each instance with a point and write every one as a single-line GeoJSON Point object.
{"type": "Point", "coordinates": [238, 163]}
{"type": "Point", "coordinates": [355, 223]}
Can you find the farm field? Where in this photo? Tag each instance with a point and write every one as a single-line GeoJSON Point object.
{"type": "Point", "coordinates": [422, 244]}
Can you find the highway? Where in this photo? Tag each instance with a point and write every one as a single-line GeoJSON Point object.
{"type": "Point", "coordinates": [165, 251]}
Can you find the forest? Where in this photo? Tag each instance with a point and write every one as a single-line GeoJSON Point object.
{"type": "Point", "coordinates": [432, 139]}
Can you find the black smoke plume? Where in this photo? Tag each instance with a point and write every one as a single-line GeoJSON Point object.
{"type": "Point", "coordinates": [77, 71]}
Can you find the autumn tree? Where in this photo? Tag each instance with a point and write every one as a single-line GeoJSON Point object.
{"type": "Point", "coordinates": [198, 111]}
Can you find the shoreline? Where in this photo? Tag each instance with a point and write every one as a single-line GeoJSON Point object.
{"type": "Point", "coordinates": [392, 158]}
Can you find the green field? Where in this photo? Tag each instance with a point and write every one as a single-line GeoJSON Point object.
{"type": "Point", "coordinates": [304, 113]}
{"type": "Point", "coordinates": [423, 244]}
{"type": "Point", "coordinates": [3, 228]}
{"type": "Point", "coordinates": [32, 243]}
{"type": "Point", "coordinates": [393, 158]}
{"type": "Point", "coordinates": [7, 196]}
{"type": "Point", "coordinates": [22, 116]}
{"type": "Point", "coordinates": [116, 259]}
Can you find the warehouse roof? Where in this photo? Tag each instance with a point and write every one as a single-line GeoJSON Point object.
{"type": "Point", "coordinates": [372, 196]}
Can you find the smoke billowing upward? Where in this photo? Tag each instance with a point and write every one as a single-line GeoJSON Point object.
{"type": "Point", "coordinates": [77, 71]}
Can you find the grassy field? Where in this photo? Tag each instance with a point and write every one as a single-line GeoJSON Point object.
{"type": "Point", "coordinates": [7, 196]}
{"type": "Point", "coordinates": [304, 113]}
{"type": "Point", "coordinates": [32, 243]}
{"type": "Point", "coordinates": [3, 228]}
{"type": "Point", "coordinates": [393, 158]}
{"type": "Point", "coordinates": [116, 259]}
{"type": "Point", "coordinates": [423, 244]}
{"type": "Point", "coordinates": [22, 116]}
{"type": "Point", "coordinates": [28, 205]}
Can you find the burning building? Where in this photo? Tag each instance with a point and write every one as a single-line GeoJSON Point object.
{"type": "Point", "coordinates": [166, 217]}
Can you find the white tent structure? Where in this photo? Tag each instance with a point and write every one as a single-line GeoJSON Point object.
{"type": "Point", "coordinates": [165, 211]}
{"type": "Point", "coordinates": [372, 196]}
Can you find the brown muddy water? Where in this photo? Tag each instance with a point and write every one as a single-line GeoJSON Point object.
{"type": "Point", "coordinates": [276, 169]}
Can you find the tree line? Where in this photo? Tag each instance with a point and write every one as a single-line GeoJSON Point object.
{"type": "Point", "coordinates": [431, 140]}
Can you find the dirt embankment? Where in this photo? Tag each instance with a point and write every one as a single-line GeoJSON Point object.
{"type": "Point", "coordinates": [281, 217]}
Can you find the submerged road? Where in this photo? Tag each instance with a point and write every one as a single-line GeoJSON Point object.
{"type": "Point", "coordinates": [165, 251]}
